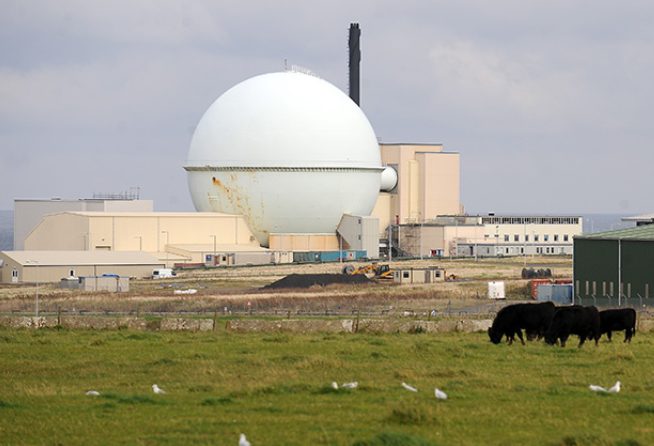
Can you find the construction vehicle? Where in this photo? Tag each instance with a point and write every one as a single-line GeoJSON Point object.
{"type": "Point", "coordinates": [373, 271]}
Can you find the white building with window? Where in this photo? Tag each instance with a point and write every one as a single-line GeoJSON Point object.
{"type": "Point", "coordinates": [471, 236]}
{"type": "Point", "coordinates": [529, 235]}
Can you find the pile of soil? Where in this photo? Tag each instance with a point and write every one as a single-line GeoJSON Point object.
{"type": "Point", "coordinates": [309, 280]}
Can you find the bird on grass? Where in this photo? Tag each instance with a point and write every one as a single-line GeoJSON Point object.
{"type": "Point", "coordinates": [408, 387]}
{"type": "Point", "coordinates": [614, 389]}
{"type": "Point", "coordinates": [350, 385]}
{"type": "Point", "coordinates": [242, 441]}
{"type": "Point", "coordinates": [157, 389]}
{"type": "Point", "coordinates": [335, 385]}
{"type": "Point", "coordinates": [93, 392]}
{"type": "Point", "coordinates": [440, 394]}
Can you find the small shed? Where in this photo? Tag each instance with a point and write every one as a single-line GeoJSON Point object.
{"type": "Point", "coordinates": [108, 282]}
{"type": "Point", "coordinates": [419, 275]}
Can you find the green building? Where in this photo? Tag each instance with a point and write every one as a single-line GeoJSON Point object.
{"type": "Point", "coordinates": [605, 259]}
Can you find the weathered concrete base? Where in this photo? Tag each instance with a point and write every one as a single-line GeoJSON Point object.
{"type": "Point", "coordinates": [360, 326]}
{"type": "Point", "coordinates": [265, 326]}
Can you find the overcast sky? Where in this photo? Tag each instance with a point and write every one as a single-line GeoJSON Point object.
{"type": "Point", "coordinates": [550, 104]}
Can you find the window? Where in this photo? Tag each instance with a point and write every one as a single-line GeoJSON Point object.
{"type": "Point", "coordinates": [405, 274]}
{"type": "Point", "coordinates": [516, 238]}
{"type": "Point", "coordinates": [565, 238]}
{"type": "Point", "coordinates": [71, 273]}
{"type": "Point", "coordinates": [546, 238]}
{"type": "Point", "coordinates": [535, 237]}
{"type": "Point", "coordinates": [506, 237]}
{"type": "Point", "coordinates": [556, 237]}
{"type": "Point", "coordinates": [526, 237]}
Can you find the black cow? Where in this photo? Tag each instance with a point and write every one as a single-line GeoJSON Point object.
{"type": "Point", "coordinates": [512, 319]}
{"type": "Point", "coordinates": [616, 320]}
{"type": "Point", "coordinates": [581, 321]}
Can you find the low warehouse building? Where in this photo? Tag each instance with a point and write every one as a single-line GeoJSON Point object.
{"type": "Point", "coordinates": [615, 266]}
{"type": "Point", "coordinates": [52, 266]}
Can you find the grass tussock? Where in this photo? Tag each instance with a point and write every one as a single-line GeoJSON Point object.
{"type": "Point", "coordinates": [412, 415]}
{"type": "Point", "coordinates": [394, 439]}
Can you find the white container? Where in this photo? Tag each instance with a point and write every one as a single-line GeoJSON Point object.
{"type": "Point", "coordinates": [163, 273]}
{"type": "Point", "coordinates": [496, 290]}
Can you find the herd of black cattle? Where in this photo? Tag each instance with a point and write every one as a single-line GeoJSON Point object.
{"type": "Point", "coordinates": [547, 321]}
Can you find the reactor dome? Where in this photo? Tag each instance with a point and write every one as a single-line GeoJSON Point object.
{"type": "Point", "coordinates": [289, 151]}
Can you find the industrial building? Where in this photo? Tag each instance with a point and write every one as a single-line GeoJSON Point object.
{"type": "Point", "coordinates": [170, 237]}
{"type": "Point", "coordinates": [28, 213]}
{"type": "Point", "coordinates": [486, 236]}
{"type": "Point", "coordinates": [52, 266]}
{"type": "Point", "coordinates": [615, 265]}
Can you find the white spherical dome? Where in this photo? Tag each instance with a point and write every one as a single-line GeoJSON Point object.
{"type": "Point", "coordinates": [388, 179]}
{"type": "Point", "coordinates": [289, 151]}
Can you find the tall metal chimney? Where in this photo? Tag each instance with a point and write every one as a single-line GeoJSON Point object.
{"type": "Point", "coordinates": [355, 60]}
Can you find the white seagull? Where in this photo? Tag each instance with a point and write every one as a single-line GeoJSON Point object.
{"type": "Point", "coordinates": [335, 385]}
{"type": "Point", "coordinates": [242, 441]}
{"type": "Point", "coordinates": [351, 385]}
{"type": "Point", "coordinates": [93, 392]}
{"type": "Point", "coordinates": [615, 388]}
{"type": "Point", "coordinates": [440, 394]}
{"type": "Point", "coordinates": [157, 389]}
{"type": "Point", "coordinates": [408, 387]}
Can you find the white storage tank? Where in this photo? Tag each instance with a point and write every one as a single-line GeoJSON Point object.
{"type": "Point", "coordinates": [288, 151]}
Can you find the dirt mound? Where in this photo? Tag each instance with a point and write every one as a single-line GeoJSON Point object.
{"type": "Point", "coordinates": [309, 280]}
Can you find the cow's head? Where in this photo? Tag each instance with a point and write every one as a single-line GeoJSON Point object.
{"type": "Point", "coordinates": [550, 338]}
{"type": "Point", "coordinates": [494, 335]}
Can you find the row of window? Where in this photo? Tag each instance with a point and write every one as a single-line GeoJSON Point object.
{"type": "Point", "coordinates": [510, 250]}
{"type": "Point", "coordinates": [546, 238]}
{"type": "Point", "coordinates": [531, 220]}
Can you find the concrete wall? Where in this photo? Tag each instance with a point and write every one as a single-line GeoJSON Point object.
{"type": "Point", "coordinates": [151, 232]}
{"type": "Point", "coordinates": [304, 242]}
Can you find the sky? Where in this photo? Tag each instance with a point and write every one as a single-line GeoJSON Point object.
{"type": "Point", "coordinates": [549, 104]}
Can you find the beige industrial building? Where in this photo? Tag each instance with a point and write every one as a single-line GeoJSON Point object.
{"type": "Point", "coordinates": [52, 266]}
{"type": "Point", "coordinates": [170, 237]}
{"type": "Point", "coordinates": [427, 186]}
{"type": "Point", "coordinates": [29, 213]}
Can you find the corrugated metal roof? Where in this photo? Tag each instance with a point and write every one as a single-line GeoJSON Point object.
{"type": "Point", "coordinates": [55, 258]}
{"type": "Point", "coordinates": [636, 233]}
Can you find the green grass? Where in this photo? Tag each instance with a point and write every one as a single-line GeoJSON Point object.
{"type": "Point", "coordinates": [276, 389]}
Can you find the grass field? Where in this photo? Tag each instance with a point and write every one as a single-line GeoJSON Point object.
{"type": "Point", "coordinates": [276, 389]}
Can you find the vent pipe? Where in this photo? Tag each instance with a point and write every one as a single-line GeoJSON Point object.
{"type": "Point", "coordinates": [355, 60]}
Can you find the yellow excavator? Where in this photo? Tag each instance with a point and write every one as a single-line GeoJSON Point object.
{"type": "Point", "coordinates": [374, 271]}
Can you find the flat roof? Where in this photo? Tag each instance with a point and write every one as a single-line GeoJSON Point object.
{"type": "Point", "coordinates": [68, 258]}
{"type": "Point", "coordinates": [148, 214]}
